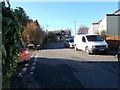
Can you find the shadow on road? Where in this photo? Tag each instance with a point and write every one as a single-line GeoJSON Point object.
{"type": "Point", "coordinates": [54, 45]}
{"type": "Point", "coordinates": [66, 73]}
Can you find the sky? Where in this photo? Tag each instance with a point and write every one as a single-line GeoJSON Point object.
{"type": "Point", "coordinates": [62, 15]}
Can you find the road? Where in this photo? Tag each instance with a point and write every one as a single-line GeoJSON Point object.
{"type": "Point", "coordinates": [58, 67]}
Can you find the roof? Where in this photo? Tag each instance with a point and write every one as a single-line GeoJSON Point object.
{"type": "Point", "coordinates": [95, 23]}
{"type": "Point", "coordinates": [116, 11]}
{"type": "Point", "coordinates": [112, 14]}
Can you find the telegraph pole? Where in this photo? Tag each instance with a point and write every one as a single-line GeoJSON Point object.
{"type": "Point", "coordinates": [75, 27]}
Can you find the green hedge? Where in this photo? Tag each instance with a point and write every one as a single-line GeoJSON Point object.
{"type": "Point", "coordinates": [12, 21]}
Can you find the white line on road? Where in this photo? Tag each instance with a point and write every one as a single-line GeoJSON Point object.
{"type": "Point", "coordinates": [31, 73]}
{"type": "Point", "coordinates": [20, 74]}
{"type": "Point", "coordinates": [34, 64]}
{"type": "Point", "coordinates": [32, 68]}
{"type": "Point", "coordinates": [34, 54]}
{"type": "Point", "coordinates": [35, 60]}
{"type": "Point", "coordinates": [24, 69]}
{"type": "Point", "coordinates": [26, 64]}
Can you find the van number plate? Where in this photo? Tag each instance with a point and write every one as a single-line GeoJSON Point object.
{"type": "Point", "coordinates": [101, 49]}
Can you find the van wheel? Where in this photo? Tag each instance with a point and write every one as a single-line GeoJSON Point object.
{"type": "Point", "coordinates": [75, 47]}
{"type": "Point", "coordinates": [87, 50]}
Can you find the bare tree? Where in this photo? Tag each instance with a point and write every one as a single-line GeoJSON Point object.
{"type": "Point", "coordinates": [33, 33]}
{"type": "Point", "coordinates": [83, 30]}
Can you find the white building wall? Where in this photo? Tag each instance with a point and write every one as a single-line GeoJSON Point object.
{"type": "Point", "coordinates": [108, 24]}
{"type": "Point", "coordinates": [90, 31]}
{"type": "Point", "coordinates": [103, 25]}
{"type": "Point", "coordinates": [93, 29]}
{"type": "Point", "coordinates": [112, 22]}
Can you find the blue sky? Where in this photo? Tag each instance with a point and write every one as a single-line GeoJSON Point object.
{"type": "Point", "coordinates": [62, 15]}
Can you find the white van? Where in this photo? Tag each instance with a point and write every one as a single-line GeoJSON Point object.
{"type": "Point", "coordinates": [90, 43]}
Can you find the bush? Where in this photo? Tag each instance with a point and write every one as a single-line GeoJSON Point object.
{"type": "Point", "coordinates": [51, 37]}
{"type": "Point", "coordinates": [11, 35]}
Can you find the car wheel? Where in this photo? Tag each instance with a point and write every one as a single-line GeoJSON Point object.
{"type": "Point", "coordinates": [87, 50]}
{"type": "Point", "coordinates": [75, 47]}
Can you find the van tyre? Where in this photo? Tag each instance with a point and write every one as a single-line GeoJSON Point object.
{"type": "Point", "coordinates": [75, 48]}
{"type": "Point", "coordinates": [87, 51]}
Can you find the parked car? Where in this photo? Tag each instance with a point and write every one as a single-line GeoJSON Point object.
{"type": "Point", "coordinates": [38, 47]}
{"type": "Point", "coordinates": [24, 55]}
{"type": "Point", "coordinates": [118, 54]}
{"type": "Point", "coordinates": [90, 43]}
{"type": "Point", "coordinates": [69, 43]}
{"type": "Point", "coordinates": [31, 46]}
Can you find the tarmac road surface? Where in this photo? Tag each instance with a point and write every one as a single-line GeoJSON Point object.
{"type": "Point", "coordinates": [58, 67]}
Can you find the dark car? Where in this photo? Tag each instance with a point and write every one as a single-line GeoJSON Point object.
{"type": "Point", "coordinates": [69, 43]}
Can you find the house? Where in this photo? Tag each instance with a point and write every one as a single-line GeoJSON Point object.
{"type": "Point", "coordinates": [109, 25]}
{"type": "Point", "coordinates": [94, 28]}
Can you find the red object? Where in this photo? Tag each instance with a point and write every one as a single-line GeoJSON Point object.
{"type": "Point", "coordinates": [24, 55]}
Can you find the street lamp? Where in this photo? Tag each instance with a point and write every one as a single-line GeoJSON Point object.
{"type": "Point", "coordinates": [47, 29]}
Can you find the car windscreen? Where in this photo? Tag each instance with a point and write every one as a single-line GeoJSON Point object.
{"type": "Point", "coordinates": [94, 38]}
{"type": "Point", "coordinates": [71, 40]}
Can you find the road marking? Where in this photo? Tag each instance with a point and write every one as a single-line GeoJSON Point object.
{"type": "Point", "coordinates": [24, 69]}
{"type": "Point", "coordinates": [31, 73]}
{"type": "Point", "coordinates": [32, 68]}
{"type": "Point", "coordinates": [34, 54]}
{"type": "Point", "coordinates": [20, 75]}
{"type": "Point", "coordinates": [26, 64]}
{"type": "Point", "coordinates": [35, 60]}
{"type": "Point", "coordinates": [34, 64]}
